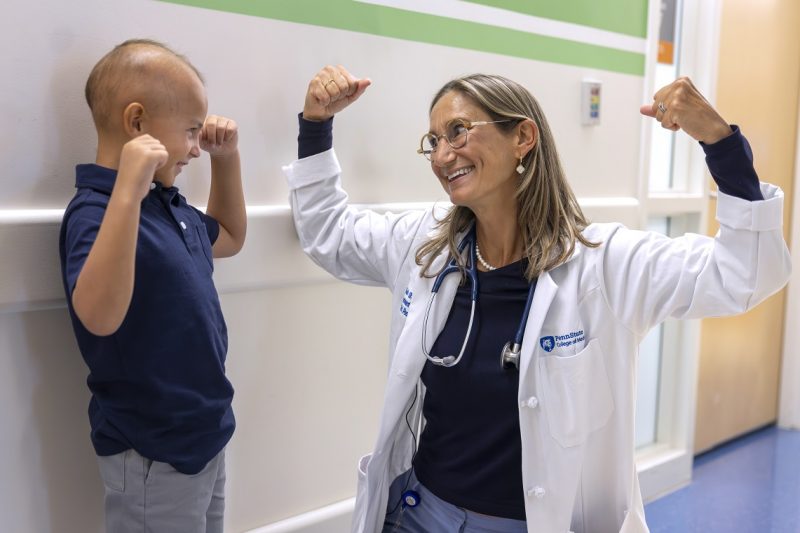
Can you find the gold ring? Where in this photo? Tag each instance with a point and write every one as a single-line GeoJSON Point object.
{"type": "Point", "coordinates": [328, 82]}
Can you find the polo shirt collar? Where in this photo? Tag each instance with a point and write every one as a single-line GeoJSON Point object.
{"type": "Point", "coordinates": [102, 179]}
{"type": "Point", "coordinates": [95, 177]}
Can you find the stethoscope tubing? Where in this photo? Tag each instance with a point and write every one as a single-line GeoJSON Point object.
{"type": "Point", "coordinates": [508, 356]}
{"type": "Point", "coordinates": [448, 360]}
{"type": "Point", "coordinates": [525, 313]}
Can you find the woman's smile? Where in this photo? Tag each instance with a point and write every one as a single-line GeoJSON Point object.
{"type": "Point", "coordinates": [453, 176]}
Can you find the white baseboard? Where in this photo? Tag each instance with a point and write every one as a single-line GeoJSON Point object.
{"type": "Point", "coordinates": [662, 471]}
{"type": "Point", "coordinates": [334, 518]}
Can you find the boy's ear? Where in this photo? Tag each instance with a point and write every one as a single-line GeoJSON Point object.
{"type": "Point", "coordinates": [132, 119]}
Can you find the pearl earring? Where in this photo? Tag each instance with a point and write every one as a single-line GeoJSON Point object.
{"type": "Point", "coordinates": [520, 168]}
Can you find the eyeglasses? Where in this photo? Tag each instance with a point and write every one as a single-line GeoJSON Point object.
{"type": "Point", "coordinates": [455, 133]}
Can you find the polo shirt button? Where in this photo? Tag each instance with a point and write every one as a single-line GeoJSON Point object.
{"type": "Point", "coordinates": [183, 225]}
{"type": "Point", "coordinates": [538, 492]}
{"type": "Point", "coordinates": [152, 186]}
{"type": "Point", "coordinates": [531, 402]}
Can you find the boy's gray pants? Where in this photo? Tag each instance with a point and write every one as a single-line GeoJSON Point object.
{"type": "Point", "coordinates": [144, 496]}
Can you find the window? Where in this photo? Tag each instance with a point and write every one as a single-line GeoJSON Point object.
{"type": "Point", "coordinates": [673, 199]}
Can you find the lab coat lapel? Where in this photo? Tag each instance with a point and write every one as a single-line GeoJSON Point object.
{"type": "Point", "coordinates": [409, 358]}
{"type": "Point", "coordinates": [546, 290]}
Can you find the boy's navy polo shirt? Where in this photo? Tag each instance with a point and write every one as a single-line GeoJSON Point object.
{"type": "Point", "coordinates": [158, 383]}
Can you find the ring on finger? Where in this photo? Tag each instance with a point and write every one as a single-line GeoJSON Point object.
{"type": "Point", "coordinates": [328, 83]}
{"type": "Point", "coordinates": [662, 107]}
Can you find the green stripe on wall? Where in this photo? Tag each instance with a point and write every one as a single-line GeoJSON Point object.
{"type": "Point", "coordinates": [390, 22]}
{"type": "Point", "coordinates": [620, 16]}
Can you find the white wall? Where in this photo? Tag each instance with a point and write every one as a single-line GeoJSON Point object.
{"type": "Point", "coordinates": [307, 354]}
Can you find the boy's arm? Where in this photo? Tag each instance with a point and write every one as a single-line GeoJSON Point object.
{"type": "Point", "coordinates": [104, 286]}
{"type": "Point", "coordinates": [220, 139]}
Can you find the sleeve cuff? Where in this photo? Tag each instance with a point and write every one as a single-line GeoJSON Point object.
{"type": "Point", "coordinates": [314, 137]}
{"type": "Point", "coordinates": [738, 213]}
{"type": "Point", "coordinates": [312, 169]}
{"type": "Point", "coordinates": [731, 142]}
{"type": "Point", "coordinates": [730, 161]}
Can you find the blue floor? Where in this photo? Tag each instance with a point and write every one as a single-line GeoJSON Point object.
{"type": "Point", "coordinates": [751, 485]}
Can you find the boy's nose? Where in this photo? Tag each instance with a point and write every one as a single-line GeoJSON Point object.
{"type": "Point", "coordinates": [195, 151]}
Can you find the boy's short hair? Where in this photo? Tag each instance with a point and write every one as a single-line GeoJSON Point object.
{"type": "Point", "coordinates": [111, 71]}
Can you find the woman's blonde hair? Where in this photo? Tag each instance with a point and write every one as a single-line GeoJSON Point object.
{"type": "Point", "coordinates": [550, 219]}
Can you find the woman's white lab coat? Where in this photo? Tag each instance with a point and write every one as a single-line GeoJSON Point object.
{"type": "Point", "coordinates": [578, 363]}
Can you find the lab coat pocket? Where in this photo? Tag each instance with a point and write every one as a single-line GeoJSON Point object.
{"type": "Point", "coordinates": [577, 393]}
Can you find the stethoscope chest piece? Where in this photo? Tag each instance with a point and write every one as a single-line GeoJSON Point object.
{"type": "Point", "coordinates": [509, 358]}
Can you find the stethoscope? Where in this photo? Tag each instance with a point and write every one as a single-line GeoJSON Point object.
{"type": "Point", "coordinates": [509, 357]}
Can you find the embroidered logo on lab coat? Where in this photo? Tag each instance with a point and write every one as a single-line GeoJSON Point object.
{"type": "Point", "coordinates": [547, 343]}
{"type": "Point", "coordinates": [406, 302]}
{"type": "Point", "coordinates": [551, 342]}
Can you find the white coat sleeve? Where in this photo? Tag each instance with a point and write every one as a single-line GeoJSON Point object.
{"type": "Point", "coordinates": [356, 245]}
{"type": "Point", "coordinates": [648, 277]}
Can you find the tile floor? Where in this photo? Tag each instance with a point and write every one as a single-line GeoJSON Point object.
{"type": "Point", "coordinates": [750, 485]}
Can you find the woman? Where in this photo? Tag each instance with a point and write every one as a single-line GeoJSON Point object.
{"type": "Point", "coordinates": [515, 322]}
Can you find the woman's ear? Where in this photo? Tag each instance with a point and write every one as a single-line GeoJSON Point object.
{"type": "Point", "coordinates": [133, 119]}
{"type": "Point", "coordinates": [527, 137]}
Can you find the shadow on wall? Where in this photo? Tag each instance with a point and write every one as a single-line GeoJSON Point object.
{"type": "Point", "coordinates": [71, 138]}
{"type": "Point", "coordinates": [68, 492]}
{"type": "Point", "coordinates": [62, 487]}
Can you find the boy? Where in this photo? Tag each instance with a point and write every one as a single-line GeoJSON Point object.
{"type": "Point", "coordinates": [136, 263]}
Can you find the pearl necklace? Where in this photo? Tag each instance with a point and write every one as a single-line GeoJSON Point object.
{"type": "Point", "coordinates": [481, 260]}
